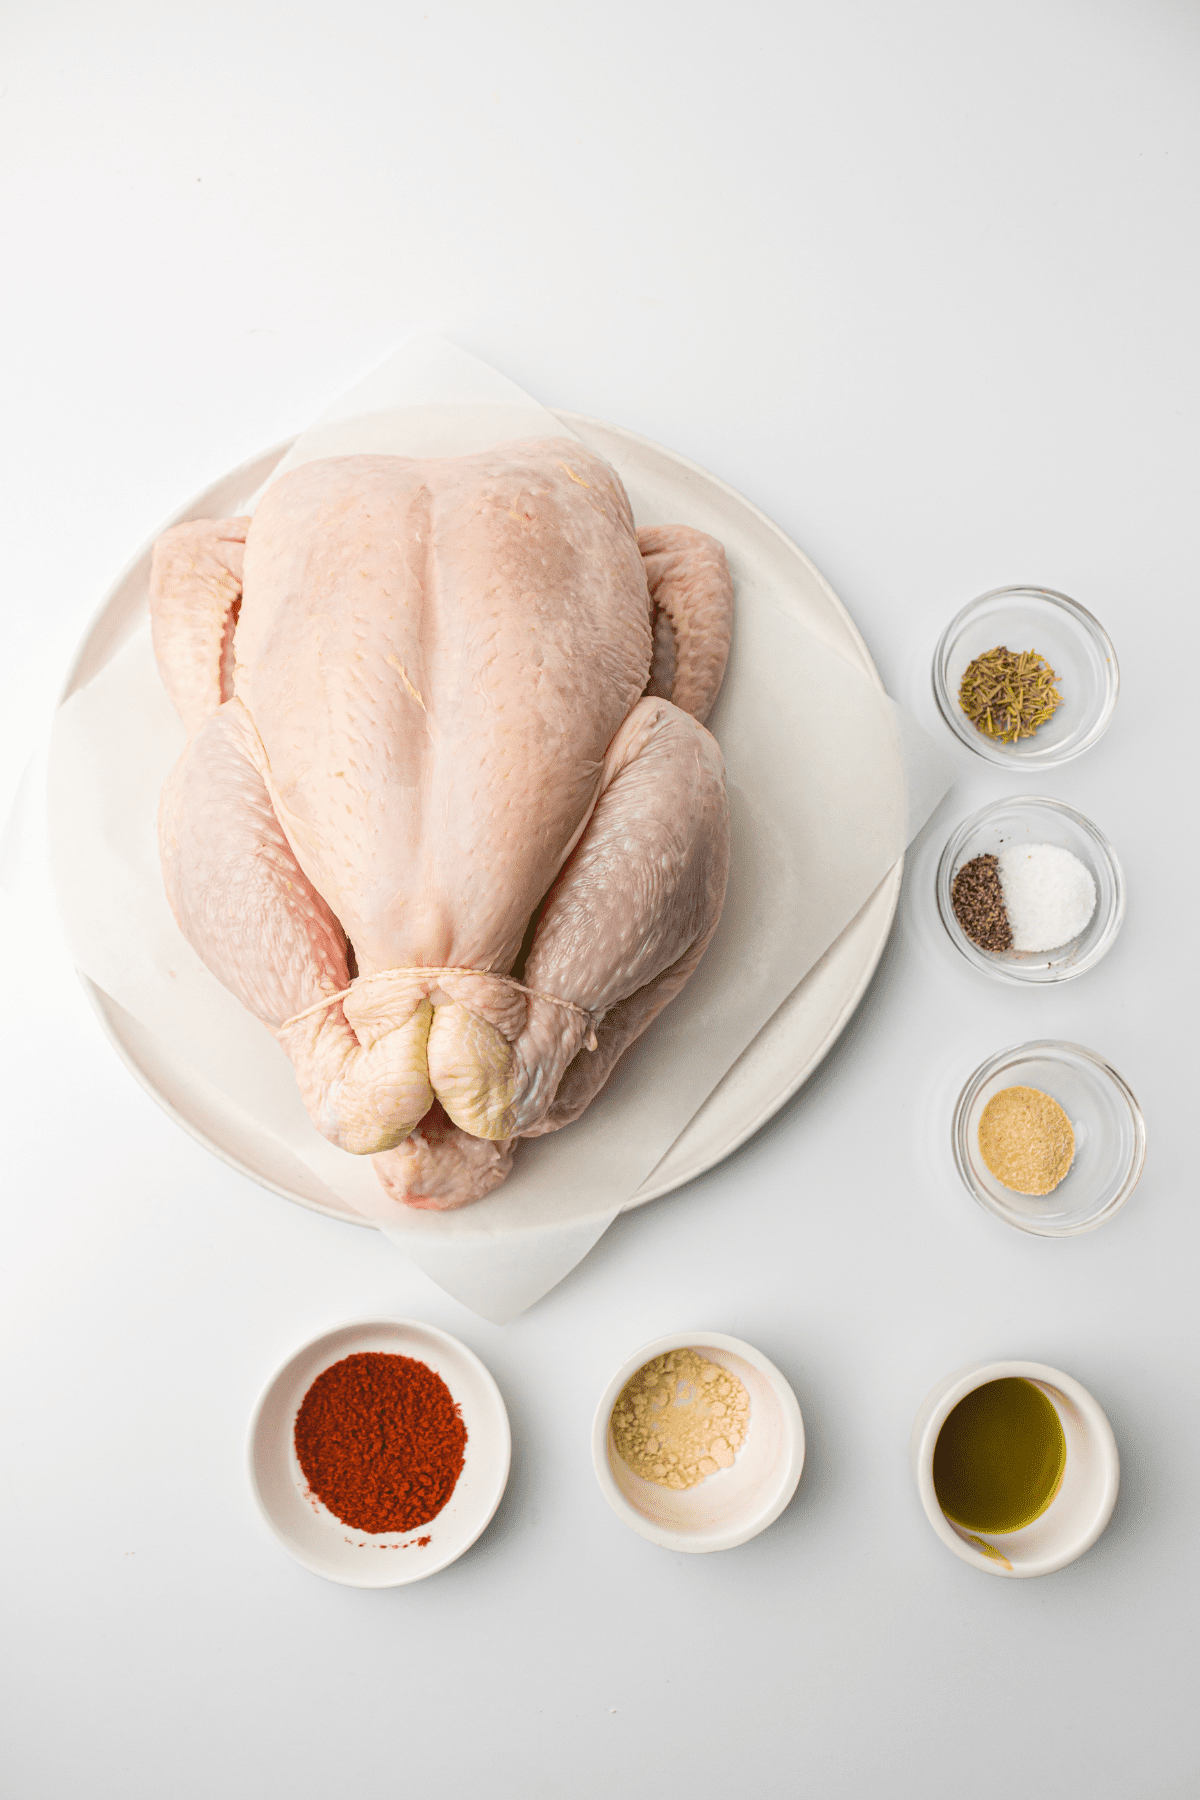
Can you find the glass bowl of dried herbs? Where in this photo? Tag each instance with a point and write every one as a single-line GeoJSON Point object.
{"type": "Point", "coordinates": [1026, 677]}
{"type": "Point", "coordinates": [1048, 1137]}
{"type": "Point", "coordinates": [1029, 890]}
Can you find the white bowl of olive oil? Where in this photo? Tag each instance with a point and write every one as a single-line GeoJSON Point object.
{"type": "Point", "coordinates": [1016, 1466]}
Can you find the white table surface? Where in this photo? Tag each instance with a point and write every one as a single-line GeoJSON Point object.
{"type": "Point", "coordinates": [922, 282]}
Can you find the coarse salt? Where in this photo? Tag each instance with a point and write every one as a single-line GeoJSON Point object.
{"type": "Point", "coordinates": [1049, 895]}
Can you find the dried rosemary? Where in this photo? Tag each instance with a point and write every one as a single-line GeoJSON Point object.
{"type": "Point", "coordinates": [1007, 694]}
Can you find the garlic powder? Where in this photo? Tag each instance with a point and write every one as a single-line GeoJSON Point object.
{"type": "Point", "coordinates": [680, 1418]}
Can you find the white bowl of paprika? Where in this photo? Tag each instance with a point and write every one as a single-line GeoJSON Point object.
{"type": "Point", "coordinates": [379, 1452]}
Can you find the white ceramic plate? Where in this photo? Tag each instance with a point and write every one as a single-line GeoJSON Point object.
{"type": "Point", "coordinates": [312, 1534]}
{"type": "Point", "coordinates": [790, 1045]}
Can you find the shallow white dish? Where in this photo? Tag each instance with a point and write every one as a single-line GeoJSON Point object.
{"type": "Point", "coordinates": [790, 1045]}
{"type": "Point", "coordinates": [1079, 1511]}
{"type": "Point", "coordinates": [312, 1534]}
{"type": "Point", "coordinates": [734, 1505]}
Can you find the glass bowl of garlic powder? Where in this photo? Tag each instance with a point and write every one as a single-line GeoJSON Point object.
{"type": "Point", "coordinates": [1030, 891]}
{"type": "Point", "coordinates": [1049, 1138]}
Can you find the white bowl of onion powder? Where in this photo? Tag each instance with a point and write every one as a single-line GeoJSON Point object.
{"type": "Point", "coordinates": [743, 1493]}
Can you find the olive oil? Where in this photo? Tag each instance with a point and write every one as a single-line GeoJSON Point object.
{"type": "Point", "coordinates": [999, 1458]}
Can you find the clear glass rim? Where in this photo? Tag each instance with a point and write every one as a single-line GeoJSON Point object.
{"type": "Point", "coordinates": [1047, 1047]}
{"type": "Point", "coordinates": [1018, 973]}
{"type": "Point", "coordinates": [1049, 757]}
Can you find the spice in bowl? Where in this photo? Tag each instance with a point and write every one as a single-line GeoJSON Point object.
{"type": "Point", "coordinates": [1009, 694]}
{"type": "Point", "coordinates": [978, 902]}
{"type": "Point", "coordinates": [381, 1441]}
{"type": "Point", "coordinates": [680, 1419]}
{"type": "Point", "coordinates": [1026, 1140]}
{"type": "Point", "coordinates": [1031, 897]}
{"type": "Point", "coordinates": [1049, 894]}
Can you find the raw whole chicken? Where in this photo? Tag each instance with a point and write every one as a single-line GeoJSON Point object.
{"type": "Point", "coordinates": [448, 821]}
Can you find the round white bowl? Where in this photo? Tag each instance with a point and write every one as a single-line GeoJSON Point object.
{"type": "Point", "coordinates": [1110, 1138]}
{"type": "Point", "coordinates": [1079, 1511]}
{"type": "Point", "coordinates": [735, 1504]}
{"type": "Point", "coordinates": [312, 1534]}
{"type": "Point", "coordinates": [1029, 819]}
{"type": "Point", "coordinates": [1075, 645]}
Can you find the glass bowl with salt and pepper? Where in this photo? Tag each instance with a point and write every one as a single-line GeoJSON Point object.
{"type": "Point", "coordinates": [1026, 678]}
{"type": "Point", "coordinates": [1029, 890]}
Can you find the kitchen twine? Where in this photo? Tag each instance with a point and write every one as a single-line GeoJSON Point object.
{"type": "Point", "coordinates": [387, 974]}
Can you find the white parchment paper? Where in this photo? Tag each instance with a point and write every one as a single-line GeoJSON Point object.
{"type": "Point", "coordinates": [821, 808]}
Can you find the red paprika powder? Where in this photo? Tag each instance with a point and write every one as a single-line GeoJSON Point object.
{"type": "Point", "coordinates": [381, 1441]}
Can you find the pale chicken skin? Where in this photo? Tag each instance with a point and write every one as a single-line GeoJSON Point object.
{"type": "Point", "coordinates": [445, 729]}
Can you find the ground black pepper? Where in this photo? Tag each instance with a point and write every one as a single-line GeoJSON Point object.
{"type": "Point", "coordinates": [978, 901]}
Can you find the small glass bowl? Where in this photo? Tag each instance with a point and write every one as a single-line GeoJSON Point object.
{"type": "Point", "coordinates": [1029, 819]}
{"type": "Point", "coordinates": [1110, 1138]}
{"type": "Point", "coordinates": [1075, 645]}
